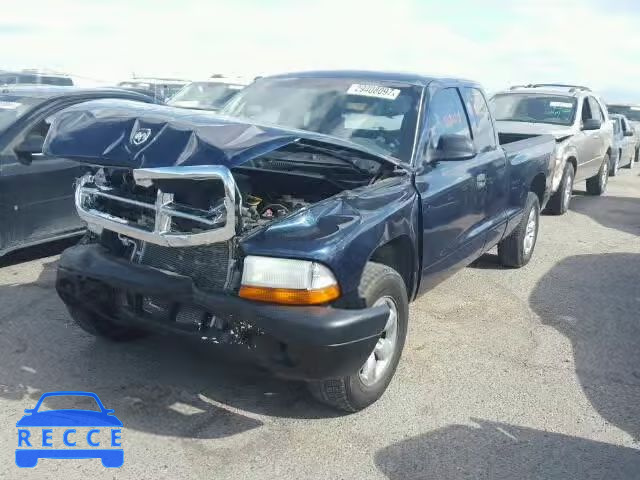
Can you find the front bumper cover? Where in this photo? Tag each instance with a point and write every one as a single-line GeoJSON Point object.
{"type": "Point", "coordinates": [314, 342]}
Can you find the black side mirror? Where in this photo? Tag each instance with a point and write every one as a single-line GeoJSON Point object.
{"type": "Point", "coordinates": [31, 145]}
{"type": "Point", "coordinates": [592, 124]}
{"type": "Point", "coordinates": [628, 133]}
{"type": "Point", "coordinates": [454, 147]}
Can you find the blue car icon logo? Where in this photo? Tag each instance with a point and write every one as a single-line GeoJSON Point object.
{"type": "Point", "coordinates": [69, 433]}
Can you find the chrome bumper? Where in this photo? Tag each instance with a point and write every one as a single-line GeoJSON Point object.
{"type": "Point", "coordinates": [219, 222]}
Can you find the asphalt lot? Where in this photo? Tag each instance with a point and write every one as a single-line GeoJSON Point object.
{"type": "Point", "coordinates": [507, 374]}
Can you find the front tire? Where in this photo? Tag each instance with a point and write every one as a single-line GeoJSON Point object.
{"type": "Point", "coordinates": [559, 202]}
{"type": "Point", "coordinates": [103, 328]}
{"type": "Point", "coordinates": [598, 185]}
{"type": "Point", "coordinates": [379, 284]}
{"type": "Point", "coordinates": [517, 249]}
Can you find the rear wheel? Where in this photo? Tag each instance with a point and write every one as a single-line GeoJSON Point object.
{"type": "Point", "coordinates": [101, 327]}
{"type": "Point", "coordinates": [559, 202]}
{"type": "Point", "coordinates": [517, 249]}
{"type": "Point", "coordinates": [598, 185]}
{"type": "Point", "coordinates": [613, 171]}
{"type": "Point", "coordinates": [379, 285]}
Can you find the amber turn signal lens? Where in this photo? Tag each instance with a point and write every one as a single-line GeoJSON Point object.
{"type": "Point", "coordinates": [287, 296]}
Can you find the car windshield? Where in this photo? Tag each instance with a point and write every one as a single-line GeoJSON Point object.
{"type": "Point", "coordinates": [632, 113]}
{"type": "Point", "coordinates": [207, 95]}
{"type": "Point", "coordinates": [69, 402]}
{"type": "Point", "coordinates": [379, 115]}
{"type": "Point", "coordinates": [534, 108]}
{"type": "Point", "coordinates": [13, 107]}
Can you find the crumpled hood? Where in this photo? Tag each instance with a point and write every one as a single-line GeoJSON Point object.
{"type": "Point", "coordinates": [524, 128]}
{"type": "Point", "coordinates": [122, 133]}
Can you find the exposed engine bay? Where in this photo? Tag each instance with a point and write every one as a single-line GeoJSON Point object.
{"type": "Point", "coordinates": [265, 190]}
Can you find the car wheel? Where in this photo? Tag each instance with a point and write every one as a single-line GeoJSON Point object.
{"type": "Point", "coordinates": [616, 165]}
{"type": "Point", "coordinates": [101, 327]}
{"type": "Point", "coordinates": [559, 202]}
{"type": "Point", "coordinates": [379, 285]}
{"type": "Point", "coordinates": [598, 185]}
{"type": "Point", "coordinates": [517, 249]}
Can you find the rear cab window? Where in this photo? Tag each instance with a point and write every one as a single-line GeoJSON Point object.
{"type": "Point", "coordinates": [483, 132]}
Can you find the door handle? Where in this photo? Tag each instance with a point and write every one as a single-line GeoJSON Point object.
{"type": "Point", "coordinates": [481, 181]}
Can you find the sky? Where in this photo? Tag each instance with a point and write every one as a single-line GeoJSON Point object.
{"type": "Point", "coordinates": [496, 42]}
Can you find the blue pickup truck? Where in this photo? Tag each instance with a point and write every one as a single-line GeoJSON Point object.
{"type": "Point", "coordinates": [298, 226]}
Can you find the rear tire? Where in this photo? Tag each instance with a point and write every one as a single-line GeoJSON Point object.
{"type": "Point", "coordinates": [559, 202]}
{"type": "Point", "coordinates": [103, 328]}
{"type": "Point", "coordinates": [379, 283]}
{"type": "Point", "coordinates": [613, 171]}
{"type": "Point", "coordinates": [598, 185]}
{"type": "Point", "coordinates": [517, 249]}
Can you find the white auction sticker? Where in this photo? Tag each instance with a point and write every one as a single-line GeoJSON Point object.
{"type": "Point", "coordinates": [9, 105]}
{"type": "Point", "coordinates": [561, 104]}
{"type": "Point", "coordinates": [635, 109]}
{"type": "Point", "coordinates": [373, 91]}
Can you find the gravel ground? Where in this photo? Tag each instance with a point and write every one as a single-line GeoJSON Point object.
{"type": "Point", "coordinates": [507, 374]}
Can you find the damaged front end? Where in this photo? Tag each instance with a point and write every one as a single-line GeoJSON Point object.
{"type": "Point", "coordinates": [168, 241]}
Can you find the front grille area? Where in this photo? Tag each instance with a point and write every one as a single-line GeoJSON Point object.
{"type": "Point", "coordinates": [207, 265]}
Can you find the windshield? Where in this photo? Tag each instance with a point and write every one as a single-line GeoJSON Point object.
{"type": "Point", "coordinates": [534, 108]}
{"type": "Point", "coordinates": [13, 107]}
{"type": "Point", "coordinates": [205, 95]}
{"type": "Point", "coordinates": [632, 113]}
{"type": "Point", "coordinates": [379, 115]}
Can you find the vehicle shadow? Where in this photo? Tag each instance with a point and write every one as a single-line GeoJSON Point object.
{"type": "Point", "coordinates": [620, 213]}
{"type": "Point", "coordinates": [37, 251]}
{"type": "Point", "coordinates": [162, 384]}
{"type": "Point", "coordinates": [594, 300]}
{"type": "Point", "coordinates": [499, 451]}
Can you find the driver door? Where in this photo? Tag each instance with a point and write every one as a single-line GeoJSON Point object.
{"type": "Point", "coordinates": [37, 191]}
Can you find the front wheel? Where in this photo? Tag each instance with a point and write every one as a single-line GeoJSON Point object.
{"type": "Point", "coordinates": [598, 185]}
{"type": "Point", "coordinates": [379, 285]}
{"type": "Point", "coordinates": [517, 249]}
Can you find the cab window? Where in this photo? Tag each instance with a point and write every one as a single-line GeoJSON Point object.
{"type": "Point", "coordinates": [483, 131]}
{"type": "Point", "coordinates": [446, 117]}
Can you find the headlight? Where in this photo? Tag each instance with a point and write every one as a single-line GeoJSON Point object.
{"type": "Point", "coordinates": [292, 282]}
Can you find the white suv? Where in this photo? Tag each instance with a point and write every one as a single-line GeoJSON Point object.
{"type": "Point", "coordinates": [580, 123]}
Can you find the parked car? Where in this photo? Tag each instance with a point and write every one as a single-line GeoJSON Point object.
{"type": "Point", "coordinates": [299, 227]}
{"type": "Point", "coordinates": [576, 118]}
{"type": "Point", "coordinates": [36, 190]}
{"type": "Point", "coordinates": [632, 113]}
{"type": "Point", "coordinates": [624, 144]}
{"type": "Point", "coordinates": [34, 77]}
{"type": "Point", "coordinates": [161, 89]}
{"type": "Point", "coordinates": [211, 94]}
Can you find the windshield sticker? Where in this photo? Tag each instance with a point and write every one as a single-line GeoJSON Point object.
{"type": "Point", "coordinates": [9, 105]}
{"type": "Point", "coordinates": [635, 109]}
{"type": "Point", "coordinates": [375, 91]}
{"type": "Point", "coordinates": [561, 104]}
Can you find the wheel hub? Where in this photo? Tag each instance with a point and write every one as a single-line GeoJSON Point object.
{"type": "Point", "coordinates": [379, 361]}
{"type": "Point", "coordinates": [530, 233]}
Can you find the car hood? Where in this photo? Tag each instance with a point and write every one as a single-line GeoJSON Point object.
{"type": "Point", "coordinates": [525, 128]}
{"type": "Point", "coordinates": [123, 133]}
{"type": "Point", "coordinates": [69, 418]}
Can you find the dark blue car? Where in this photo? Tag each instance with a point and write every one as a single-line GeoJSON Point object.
{"type": "Point", "coordinates": [298, 226]}
{"type": "Point", "coordinates": [28, 453]}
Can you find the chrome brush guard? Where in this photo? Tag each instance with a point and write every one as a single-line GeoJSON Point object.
{"type": "Point", "coordinates": [218, 224]}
